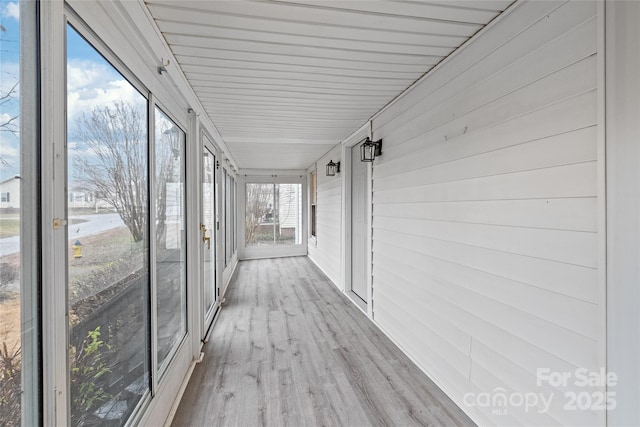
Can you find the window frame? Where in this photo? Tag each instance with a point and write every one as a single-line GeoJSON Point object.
{"type": "Point", "coordinates": [257, 252]}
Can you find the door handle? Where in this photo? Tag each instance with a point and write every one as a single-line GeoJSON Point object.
{"type": "Point", "coordinates": [205, 239]}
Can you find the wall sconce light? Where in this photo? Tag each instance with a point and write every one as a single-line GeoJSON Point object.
{"type": "Point", "coordinates": [333, 168]}
{"type": "Point", "coordinates": [370, 149]}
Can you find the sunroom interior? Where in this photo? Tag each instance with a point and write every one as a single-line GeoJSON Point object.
{"type": "Point", "coordinates": [319, 212]}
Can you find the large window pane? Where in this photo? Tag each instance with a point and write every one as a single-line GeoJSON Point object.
{"type": "Point", "coordinates": [273, 214]}
{"type": "Point", "coordinates": [288, 224]}
{"type": "Point", "coordinates": [171, 268]}
{"type": "Point", "coordinates": [228, 218]}
{"type": "Point", "coordinates": [108, 267]}
{"type": "Point", "coordinates": [18, 179]}
{"type": "Point", "coordinates": [259, 216]}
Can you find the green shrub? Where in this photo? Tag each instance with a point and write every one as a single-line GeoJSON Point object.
{"type": "Point", "coordinates": [88, 366]}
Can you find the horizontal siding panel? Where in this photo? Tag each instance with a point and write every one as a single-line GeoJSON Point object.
{"type": "Point", "coordinates": [559, 54]}
{"type": "Point", "coordinates": [574, 348]}
{"type": "Point", "coordinates": [578, 248]}
{"type": "Point", "coordinates": [430, 360]}
{"type": "Point", "coordinates": [565, 279]}
{"type": "Point", "coordinates": [452, 11]}
{"type": "Point", "coordinates": [209, 32]}
{"type": "Point", "coordinates": [335, 16]}
{"type": "Point", "coordinates": [327, 250]}
{"type": "Point", "coordinates": [559, 150]}
{"type": "Point", "coordinates": [498, 47]}
{"type": "Point", "coordinates": [487, 380]}
{"type": "Point", "coordinates": [512, 346]}
{"type": "Point", "coordinates": [578, 214]}
{"type": "Point", "coordinates": [427, 340]}
{"type": "Point", "coordinates": [571, 313]}
{"type": "Point", "coordinates": [440, 326]}
{"type": "Point", "coordinates": [514, 377]}
{"type": "Point", "coordinates": [573, 80]}
{"type": "Point", "coordinates": [567, 115]}
{"type": "Point", "coordinates": [576, 180]}
{"type": "Point", "coordinates": [413, 56]}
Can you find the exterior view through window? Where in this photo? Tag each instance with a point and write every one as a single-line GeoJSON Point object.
{"type": "Point", "coordinates": [274, 214]}
{"type": "Point", "coordinates": [108, 223]}
{"type": "Point", "coordinates": [170, 263]}
{"type": "Point", "coordinates": [18, 215]}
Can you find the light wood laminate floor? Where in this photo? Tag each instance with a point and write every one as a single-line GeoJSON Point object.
{"type": "Point", "coordinates": [289, 349]}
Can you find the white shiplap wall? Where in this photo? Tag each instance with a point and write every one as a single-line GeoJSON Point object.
{"type": "Point", "coordinates": [485, 219]}
{"type": "Point", "coordinates": [325, 250]}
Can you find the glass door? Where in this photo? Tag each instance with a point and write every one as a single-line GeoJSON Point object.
{"type": "Point", "coordinates": [207, 234]}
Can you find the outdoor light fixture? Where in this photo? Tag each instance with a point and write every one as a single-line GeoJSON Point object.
{"type": "Point", "coordinates": [370, 149]}
{"type": "Point", "coordinates": [174, 140]}
{"type": "Point", "coordinates": [333, 168]}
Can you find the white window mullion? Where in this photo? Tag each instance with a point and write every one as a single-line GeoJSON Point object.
{"type": "Point", "coordinates": [54, 230]}
{"type": "Point", "coordinates": [153, 301]}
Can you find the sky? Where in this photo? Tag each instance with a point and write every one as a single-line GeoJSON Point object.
{"type": "Point", "coordinates": [9, 73]}
{"type": "Point", "coordinates": [91, 82]}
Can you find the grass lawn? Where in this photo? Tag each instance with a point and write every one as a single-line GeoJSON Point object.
{"type": "Point", "coordinates": [10, 227]}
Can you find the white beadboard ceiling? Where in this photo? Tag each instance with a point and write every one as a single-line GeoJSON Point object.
{"type": "Point", "coordinates": [284, 81]}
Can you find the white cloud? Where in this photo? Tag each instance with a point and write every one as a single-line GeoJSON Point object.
{"type": "Point", "coordinates": [92, 85]}
{"type": "Point", "coordinates": [8, 151]}
{"type": "Point", "coordinates": [11, 10]}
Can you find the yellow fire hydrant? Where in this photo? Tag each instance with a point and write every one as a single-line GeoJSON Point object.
{"type": "Point", "coordinates": [77, 249]}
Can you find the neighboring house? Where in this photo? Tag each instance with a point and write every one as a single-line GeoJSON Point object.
{"type": "Point", "coordinates": [10, 193]}
{"type": "Point", "coordinates": [83, 198]}
{"type": "Point", "coordinates": [290, 210]}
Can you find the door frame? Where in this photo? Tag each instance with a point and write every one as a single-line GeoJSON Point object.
{"type": "Point", "coordinates": [207, 318]}
{"type": "Point", "coordinates": [356, 139]}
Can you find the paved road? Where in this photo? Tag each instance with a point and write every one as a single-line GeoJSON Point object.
{"type": "Point", "coordinates": [95, 224]}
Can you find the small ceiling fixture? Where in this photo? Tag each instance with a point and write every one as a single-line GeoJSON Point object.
{"type": "Point", "coordinates": [370, 149]}
{"type": "Point", "coordinates": [333, 168]}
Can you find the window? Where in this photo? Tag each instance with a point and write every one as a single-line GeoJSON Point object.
{"type": "Point", "coordinates": [170, 244]}
{"type": "Point", "coordinates": [313, 189]}
{"type": "Point", "coordinates": [235, 213]}
{"type": "Point", "coordinates": [229, 216]}
{"type": "Point", "coordinates": [273, 214]}
{"type": "Point", "coordinates": [108, 258]}
{"type": "Point", "coordinates": [19, 247]}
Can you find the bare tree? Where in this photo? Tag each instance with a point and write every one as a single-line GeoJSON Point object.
{"type": "Point", "coordinates": [167, 157]}
{"type": "Point", "coordinates": [259, 208]}
{"type": "Point", "coordinates": [9, 100]}
{"type": "Point", "coordinates": [9, 124]}
{"type": "Point", "coordinates": [116, 164]}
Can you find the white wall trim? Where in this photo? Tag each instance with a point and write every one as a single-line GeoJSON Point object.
{"type": "Point", "coordinates": [602, 185]}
